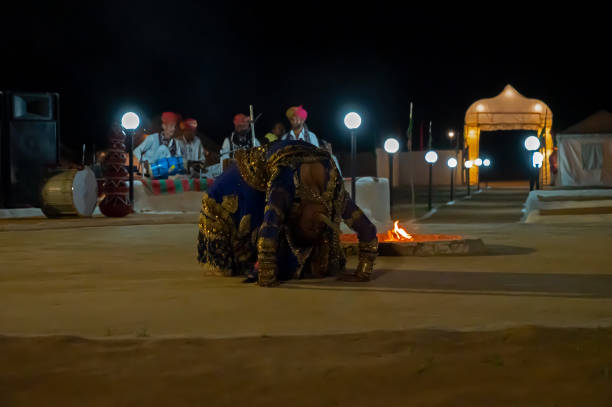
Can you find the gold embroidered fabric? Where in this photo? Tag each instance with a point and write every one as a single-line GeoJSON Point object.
{"type": "Point", "coordinates": [221, 245]}
{"type": "Point", "coordinates": [266, 258]}
{"type": "Point", "coordinates": [293, 155]}
{"type": "Point", "coordinates": [368, 251]}
{"type": "Point", "coordinates": [241, 241]}
{"type": "Point", "coordinates": [224, 246]}
{"type": "Point", "coordinates": [252, 166]}
{"type": "Point", "coordinates": [300, 253]}
{"type": "Point", "coordinates": [216, 218]}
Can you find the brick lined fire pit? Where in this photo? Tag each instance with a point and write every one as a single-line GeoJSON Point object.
{"type": "Point", "coordinates": [398, 242]}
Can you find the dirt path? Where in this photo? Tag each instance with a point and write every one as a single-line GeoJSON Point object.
{"type": "Point", "coordinates": [516, 367]}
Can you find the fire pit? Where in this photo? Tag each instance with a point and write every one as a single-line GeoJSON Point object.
{"type": "Point", "coordinates": [398, 242]}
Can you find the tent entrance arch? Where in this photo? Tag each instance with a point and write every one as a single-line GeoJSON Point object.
{"type": "Point", "coordinates": [507, 111]}
{"type": "Point", "coordinates": [506, 149]}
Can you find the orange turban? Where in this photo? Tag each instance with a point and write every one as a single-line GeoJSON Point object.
{"type": "Point", "coordinates": [241, 119]}
{"type": "Point", "coordinates": [169, 117]}
{"type": "Point", "coordinates": [298, 111]}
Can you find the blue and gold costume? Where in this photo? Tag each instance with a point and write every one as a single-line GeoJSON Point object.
{"type": "Point", "coordinates": [245, 216]}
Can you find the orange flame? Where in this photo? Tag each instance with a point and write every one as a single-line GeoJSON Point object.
{"type": "Point", "coordinates": [398, 234]}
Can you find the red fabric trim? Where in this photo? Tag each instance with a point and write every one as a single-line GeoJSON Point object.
{"type": "Point", "coordinates": [170, 186]}
{"type": "Point", "coordinates": [185, 183]}
{"type": "Point", "coordinates": [155, 187]}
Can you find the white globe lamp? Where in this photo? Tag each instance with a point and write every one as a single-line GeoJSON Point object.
{"type": "Point", "coordinates": [431, 157]}
{"type": "Point", "coordinates": [130, 121]}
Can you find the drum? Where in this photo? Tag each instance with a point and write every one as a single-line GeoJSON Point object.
{"type": "Point", "coordinates": [164, 167]}
{"type": "Point", "coordinates": [70, 193]}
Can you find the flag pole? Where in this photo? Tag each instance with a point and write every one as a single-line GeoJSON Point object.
{"type": "Point", "coordinates": [546, 169]}
{"type": "Point", "coordinates": [412, 198]}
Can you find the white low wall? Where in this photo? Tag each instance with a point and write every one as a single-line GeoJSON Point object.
{"type": "Point", "coordinates": [372, 197]}
{"type": "Point", "coordinates": [407, 163]}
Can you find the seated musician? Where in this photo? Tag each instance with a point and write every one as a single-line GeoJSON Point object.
{"type": "Point", "coordinates": [190, 144]}
{"type": "Point", "coordinates": [241, 138]}
{"type": "Point", "coordinates": [275, 134]}
{"type": "Point", "coordinates": [275, 213]}
{"type": "Point", "coordinates": [297, 116]}
{"type": "Point", "coordinates": [162, 144]}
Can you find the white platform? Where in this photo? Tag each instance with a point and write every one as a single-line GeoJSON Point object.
{"type": "Point", "coordinates": [567, 199]}
{"type": "Point", "coordinates": [184, 202]}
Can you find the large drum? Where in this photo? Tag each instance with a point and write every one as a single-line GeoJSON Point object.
{"type": "Point", "coordinates": [70, 193]}
{"type": "Point", "coordinates": [163, 167]}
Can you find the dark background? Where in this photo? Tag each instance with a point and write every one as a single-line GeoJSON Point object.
{"type": "Point", "coordinates": [506, 150]}
{"type": "Point", "coordinates": [210, 60]}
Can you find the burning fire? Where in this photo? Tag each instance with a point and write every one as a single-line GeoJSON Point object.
{"type": "Point", "coordinates": [397, 234]}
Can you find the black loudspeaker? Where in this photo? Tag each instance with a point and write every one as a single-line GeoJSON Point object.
{"type": "Point", "coordinates": [29, 145]}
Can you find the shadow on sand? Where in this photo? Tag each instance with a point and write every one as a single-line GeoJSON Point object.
{"type": "Point", "coordinates": [473, 283]}
{"type": "Point", "coordinates": [503, 250]}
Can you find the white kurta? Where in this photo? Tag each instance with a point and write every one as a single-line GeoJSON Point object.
{"type": "Point", "coordinates": [227, 147]}
{"type": "Point", "coordinates": [313, 138]}
{"type": "Point", "coordinates": [151, 150]}
{"type": "Point", "coordinates": [192, 151]}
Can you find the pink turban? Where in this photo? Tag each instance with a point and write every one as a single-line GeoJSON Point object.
{"type": "Point", "coordinates": [298, 111]}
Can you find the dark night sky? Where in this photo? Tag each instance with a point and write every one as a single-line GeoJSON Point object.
{"type": "Point", "coordinates": [211, 60]}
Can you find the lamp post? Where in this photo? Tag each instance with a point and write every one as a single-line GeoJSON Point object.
{"type": "Point", "coordinates": [391, 146]}
{"type": "Point", "coordinates": [486, 162]}
{"type": "Point", "coordinates": [431, 157]}
{"type": "Point", "coordinates": [465, 154]}
{"type": "Point", "coordinates": [478, 163]}
{"type": "Point", "coordinates": [352, 121]}
{"type": "Point", "coordinates": [452, 135]}
{"type": "Point", "coordinates": [452, 163]}
{"type": "Point", "coordinates": [532, 144]}
{"type": "Point", "coordinates": [130, 121]}
{"type": "Point", "coordinates": [537, 160]}
{"type": "Point", "coordinates": [468, 165]}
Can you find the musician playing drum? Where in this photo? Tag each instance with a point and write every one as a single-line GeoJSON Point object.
{"type": "Point", "coordinates": [160, 145]}
{"type": "Point", "coordinates": [241, 138]}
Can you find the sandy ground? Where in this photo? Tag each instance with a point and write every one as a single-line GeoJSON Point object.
{"type": "Point", "coordinates": [145, 326]}
{"type": "Point", "coordinates": [515, 367]}
{"type": "Point", "coordinates": [123, 280]}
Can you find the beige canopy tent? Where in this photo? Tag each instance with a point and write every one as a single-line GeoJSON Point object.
{"type": "Point", "coordinates": [507, 111]}
{"type": "Point", "coordinates": [585, 152]}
